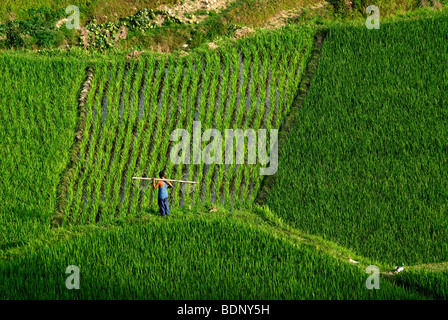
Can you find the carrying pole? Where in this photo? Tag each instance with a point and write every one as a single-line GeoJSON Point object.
{"type": "Point", "coordinates": [182, 181]}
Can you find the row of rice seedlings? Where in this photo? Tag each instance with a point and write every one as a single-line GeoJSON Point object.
{"type": "Point", "coordinates": [181, 117]}
{"type": "Point", "coordinates": [201, 111]}
{"type": "Point", "coordinates": [146, 118]}
{"type": "Point", "coordinates": [100, 154]}
{"type": "Point", "coordinates": [85, 122]}
{"type": "Point", "coordinates": [235, 60]}
{"type": "Point", "coordinates": [122, 141]}
{"type": "Point", "coordinates": [194, 96]}
{"type": "Point", "coordinates": [60, 113]}
{"type": "Point", "coordinates": [219, 115]}
{"type": "Point", "coordinates": [161, 123]}
{"type": "Point", "coordinates": [187, 110]}
{"type": "Point", "coordinates": [272, 93]}
{"type": "Point", "coordinates": [181, 169]}
{"type": "Point", "coordinates": [85, 149]}
{"type": "Point", "coordinates": [196, 87]}
{"type": "Point", "coordinates": [164, 125]}
{"type": "Point", "coordinates": [208, 169]}
{"type": "Point", "coordinates": [135, 131]}
{"type": "Point", "coordinates": [107, 143]}
{"type": "Point", "coordinates": [114, 99]}
{"type": "Point", "coordinates": [88, 172]}
{"type": "Point", "coordinates": [234, 169]}
{"type": "Point", "coordinates": [129, 150]}
{"type": "Point", "coordinates": [252, 99]}
{"type": "Point", "coordinates": [216, 116]}
{"type": "Point", "coordinates": [250, 169]}
{"type": "Point", "coordinates": [237, 170]}
{"type": "Point", "coordinates": [154, 78]}
{"type": "Point", "coordinates": [175, 92]}
{"type": "Point", "coordinates": [151, 94]}
{"type": "Point", "coordinates": [97, 152]}
{"type": "Point", "coordinates": [154, 91]}
{"type": "Point", "coordinates": [284, 80]}
{"type": "Point", "coordinates": [278, 70]}
{"type": "Point", "coordinates": [226, 94]}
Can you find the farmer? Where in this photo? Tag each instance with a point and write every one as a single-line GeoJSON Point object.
{"type": "Point", "coordinates": [163, 193]}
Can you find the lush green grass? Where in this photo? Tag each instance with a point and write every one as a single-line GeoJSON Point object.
{"type": "Point", "coordinates": [366, 162]}
{"type": "Point", "coordinates": [195, 258]}
{"type": "Point", "coordinates": [37, 121]}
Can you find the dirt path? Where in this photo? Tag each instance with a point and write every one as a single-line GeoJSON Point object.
{"type": "Point", "coordinates": [282, 18]}
{"type": "Point", "coordinates": [188, 11]}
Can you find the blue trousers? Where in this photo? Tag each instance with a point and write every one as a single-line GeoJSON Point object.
{"type": "Point", "coordinates": [164, 208]}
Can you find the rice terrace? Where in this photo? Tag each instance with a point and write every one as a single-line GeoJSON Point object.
{"type": "Point", "coordinates": [224, 150]}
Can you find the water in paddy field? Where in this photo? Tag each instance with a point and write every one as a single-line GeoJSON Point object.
{"type": "Point", "coordinates": [141, 96]}
{"type": "Point", "coordinates": [268, 100]}
{"type": "Point", "coordinates": [251, 188]}
{"type": "Point", "coordinates": [104, 100]}
{"type": "Point", "coordinates": [204, 174]}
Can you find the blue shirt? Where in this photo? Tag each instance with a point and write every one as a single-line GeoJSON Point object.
{"type": "Point", "coordinates": [163, 191]}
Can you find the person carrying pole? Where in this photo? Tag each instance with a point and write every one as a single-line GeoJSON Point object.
{"type": "Point", "coordinates": [162, 200]}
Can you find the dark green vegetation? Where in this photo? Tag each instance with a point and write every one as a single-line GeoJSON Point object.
{"type": "Point", "coordinates": [368, 151]}
{"type": "Point", "coordinates": [164, 259]}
